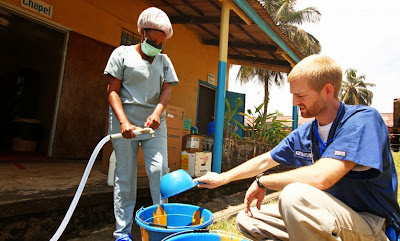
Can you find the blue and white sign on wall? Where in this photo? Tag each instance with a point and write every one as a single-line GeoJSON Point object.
{"type": "Point", "coordinates": [211, 78]}
{"type": "Point", "coordinates": [38, 6]}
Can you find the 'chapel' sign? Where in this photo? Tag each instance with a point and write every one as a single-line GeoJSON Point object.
{"type": "Point", "coordinates": [38, 6]}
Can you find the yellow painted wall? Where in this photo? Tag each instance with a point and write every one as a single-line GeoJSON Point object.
{"type": "Point", "coordinates": [98, 19]}
{"type": "Point", "coordinates": [103, 20]}
{"type": "Point", "coordinates": [192, 61]}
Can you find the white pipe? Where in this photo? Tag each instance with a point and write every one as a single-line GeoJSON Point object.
{"type": "Point", "coordinates": [85, 176]}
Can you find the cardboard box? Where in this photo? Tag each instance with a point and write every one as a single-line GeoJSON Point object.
{"type": "Point", "coordinates": [196, 164]}
{"type": "Point", "coordinates": [192, 143]}
{"type": "Point", "coordinates": [174, 158]}
{"type": "Point", "coordinates": [187, 162]}
{"type": "Point", "coordinates": [174, 116]}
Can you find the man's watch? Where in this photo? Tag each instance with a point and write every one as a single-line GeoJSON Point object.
{"type": "Point", "coordinates": [259, 184]}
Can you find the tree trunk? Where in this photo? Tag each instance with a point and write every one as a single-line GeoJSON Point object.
{"type": "Point", "coordinates": [266, 97]}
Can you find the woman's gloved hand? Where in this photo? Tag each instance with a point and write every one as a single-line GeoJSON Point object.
{"type": "Point", "coordinates": [153, 121]}
{"type": "Point", "coordinates": [127, 130]}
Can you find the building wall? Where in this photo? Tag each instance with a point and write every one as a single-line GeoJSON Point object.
{"type": "Point", "coordinates": [99, 23]}
{"type": "Point", "coordinates": [103, 21]}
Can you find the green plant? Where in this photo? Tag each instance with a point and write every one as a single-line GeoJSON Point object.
{"type": "Point", "coordinates": [231, 125]}
{"type": "Point", "coordinates": [265, 127]}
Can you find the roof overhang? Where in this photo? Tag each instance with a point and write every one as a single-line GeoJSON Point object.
{"type": "Point", "coordinates": [249, 44]}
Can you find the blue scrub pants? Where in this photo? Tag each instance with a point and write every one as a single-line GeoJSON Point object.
{"type": "Point", "coordinates": [125, 176]}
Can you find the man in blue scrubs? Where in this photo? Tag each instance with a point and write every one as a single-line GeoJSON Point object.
{"type": "Point", "coordinates": [344, 185]}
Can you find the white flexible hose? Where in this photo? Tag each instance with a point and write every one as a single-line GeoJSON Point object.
{"type": "Point", "coordinates": [85, 176]}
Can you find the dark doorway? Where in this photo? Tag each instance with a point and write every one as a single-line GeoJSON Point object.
{"type": "Point", "coordinates": [31, 54]}
{"type": "Point", "coordinates": [206, 107]}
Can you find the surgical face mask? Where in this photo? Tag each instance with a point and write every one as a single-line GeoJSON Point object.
{"type": "Point", "coordinates": [149, 49]}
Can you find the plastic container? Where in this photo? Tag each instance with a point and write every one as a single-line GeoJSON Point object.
{"type": "Point", "coordinates": [204, 234]}
{"type": "Point", "coordinates": [194, 130]}
{"type": "Point", "coordinates": [187, 123]}
{"type": "Point", "coordinates": [160, 221]}
{"type": "Point", "coordinates": [111, 168]}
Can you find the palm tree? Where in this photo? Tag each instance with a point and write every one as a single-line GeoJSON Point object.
{"type": "Point", "coordinates": [287, 18]}
{"type": "Point", "coordinates": [264, 76]}
{"type": "Point", "coordinates": [354, 90]}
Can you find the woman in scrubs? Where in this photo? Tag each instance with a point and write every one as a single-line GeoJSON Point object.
{"type": "Point", "coordinates": [139, 88]}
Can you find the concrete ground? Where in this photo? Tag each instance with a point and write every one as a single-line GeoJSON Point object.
{"type": "Point", "coordinates": [35, 195]}
{"type": "Point", "coordinates": [25, 180]}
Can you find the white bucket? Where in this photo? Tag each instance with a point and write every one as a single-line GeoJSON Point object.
{"type": "Point", "coordinates": [111, 168]}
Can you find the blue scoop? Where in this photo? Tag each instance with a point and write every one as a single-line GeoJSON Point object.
{"type": "Point", "coordinates": [176, 182]}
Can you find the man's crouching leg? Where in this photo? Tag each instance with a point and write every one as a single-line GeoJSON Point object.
{"type": "Point", "coordinates": [307, 213]}
{"type": "Point", "coordinates": [312, 214]}
{"type": "Point", "coordinates": [266, 224]}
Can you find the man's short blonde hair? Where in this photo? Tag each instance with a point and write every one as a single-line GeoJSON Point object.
{"type": "Point", "coordinates": [319, 70]}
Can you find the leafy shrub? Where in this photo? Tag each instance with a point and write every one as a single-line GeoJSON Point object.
{"type": "Point", "coordinates": [231, 125]}
{"type": "Point", "coordinates": [266, 128]}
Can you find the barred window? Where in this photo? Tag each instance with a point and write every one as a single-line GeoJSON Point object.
{"type": "Point", "coordinates": [129, 38]}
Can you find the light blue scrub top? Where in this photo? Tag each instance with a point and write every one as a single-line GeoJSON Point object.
{"type": "Point", "coordinates": [140, 87]}
{"type": "Point", "coordinates": [358, 135]}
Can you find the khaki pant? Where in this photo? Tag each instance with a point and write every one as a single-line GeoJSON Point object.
{"type": "Point", "coordinates": [307, 213]}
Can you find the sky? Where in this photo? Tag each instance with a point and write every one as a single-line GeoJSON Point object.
{"type": "Point", "coordinates": [359, 34]}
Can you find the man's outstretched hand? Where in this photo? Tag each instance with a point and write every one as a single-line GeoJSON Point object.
{"type": "Point", "coordinates": [211, 180]}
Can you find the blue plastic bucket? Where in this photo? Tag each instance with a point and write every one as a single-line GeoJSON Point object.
{"type": "Point", "coordinates": [159, 221]}
{"type": "Point", "coordinates": [201, 235]}
{"type": "Point", "coordinates": [176, 182]}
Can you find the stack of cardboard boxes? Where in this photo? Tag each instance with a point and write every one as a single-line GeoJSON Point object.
{"type": "Point", "coordinates": [193, 159]}
{"type": "Point", "coordinates": [175, 132]}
